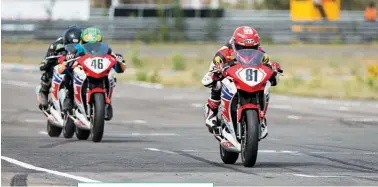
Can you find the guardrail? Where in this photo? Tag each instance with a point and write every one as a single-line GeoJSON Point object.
{"type": "Point", "coordinates": [206, 29]}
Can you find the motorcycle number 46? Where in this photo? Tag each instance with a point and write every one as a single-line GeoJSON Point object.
{"type": "Point", "coordinates": [97, 64]}
{"type": "Point", "coordinates": [251, 76]}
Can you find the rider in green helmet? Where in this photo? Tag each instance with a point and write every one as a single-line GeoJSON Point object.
{"type": "Point", "coordinates": [90, 35]}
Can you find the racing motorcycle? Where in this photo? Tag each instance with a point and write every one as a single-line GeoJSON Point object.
{"type": "Point", "coordinates": [244, 98]}
{"type": "Point", "coordinates": [56, 119]}
{"type": "Point", "coordinates": [93, 83]}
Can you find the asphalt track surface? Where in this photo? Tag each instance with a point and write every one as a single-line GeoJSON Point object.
{"type": "Point", "coordinates": [158, 135]}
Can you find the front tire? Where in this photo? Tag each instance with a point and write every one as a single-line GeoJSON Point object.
{"type": "Point", "coordinates": [227, 156]}
{"type": "Point", "coordinates": [69, 127]}
{"type": "Point", "coordinates": [53, 131]}
{"type": "Point", "coordinates": [250, 141]}
{"type": "Point", "coordinates": [82, 134]}
{"type": "Point", "coordinates": [98, 118]}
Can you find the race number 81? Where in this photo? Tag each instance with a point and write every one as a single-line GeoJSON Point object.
{"type": "Point", "coordinates": [97, 63]}
{"type": "Point", "coordinates": [251, 75]}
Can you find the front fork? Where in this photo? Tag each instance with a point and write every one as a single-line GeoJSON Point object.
{"type": "Point", "coordinates": [261, 115]}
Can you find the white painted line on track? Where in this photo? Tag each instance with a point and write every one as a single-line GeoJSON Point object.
{"type": "Point", "coordinates": [280, 106]}
{"type": "Point", "coordinates": [144, 84]}
{"type": "Point", "coordinates": [43, 132]}
{"type": "Point", "coordinates": [267, 151]}
{"type": "Point", "coordinates": [344, 153]}
{"type": "Point", "coordinates": [343, 108]}
{"type": "Point", "coordinates": [61, 174]}
{"type": "Point", "coordinates": [316, 176]}
{"type": "Point", "coordinates": [153, 134]}
{"type": "Point", "coordinates": [293, 117]}
{"type": "Point", "coordinates": [174, 97]}
{"type": "Point", "coordinates": [332, 176]}
{"type": "Point", "coordinates": [197, 105]}
{"type": "Point", "coordinates": [160, 150]}
{"type": "Point", "coordinates": [34, 121]}
{"type": "Point", "coordinates": [138, 121]}
{"type": "Point", "coordinates": [260, 151]}
{"type": "Point", "coordinates": [293, 152]}
{"type": "Point", "coordinates": [19, 83]}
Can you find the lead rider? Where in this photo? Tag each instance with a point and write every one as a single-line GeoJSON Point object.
{"type": "Point", "coordinates": [244, 37]}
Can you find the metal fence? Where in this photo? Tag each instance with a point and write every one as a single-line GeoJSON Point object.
{"type": "Point", "coordinates": [279, 29]}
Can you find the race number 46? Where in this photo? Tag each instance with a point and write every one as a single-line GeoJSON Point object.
{"type": "Point", "coordinates": [97, 63]}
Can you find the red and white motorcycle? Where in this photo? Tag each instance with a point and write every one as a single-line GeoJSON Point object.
{"type": "Point", "coordinates": [245, 86]}
{"type": "Point", "coordinates": [93, 82]}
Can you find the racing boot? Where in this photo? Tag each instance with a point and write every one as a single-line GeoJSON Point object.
{"type": "Point", "coordinates": [264, 129]}
{"type": "Point", "coordinates": [264, 125]}
{"type": "Point", "coordinates": [43, 99]}
{"type": "Point", "coordinates": [108, 112]}
{"type": "Point", "coordinates": [211, 111]}
{"type": "Point", "coordinates": [68, 100]}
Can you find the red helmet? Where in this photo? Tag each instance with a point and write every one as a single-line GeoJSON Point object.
{"type": "Point", "coordinates": [245, 37]}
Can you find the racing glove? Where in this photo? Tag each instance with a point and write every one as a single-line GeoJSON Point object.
{"type": "Point", "coordinates": [276, 67]}
{"type": "Point", "coordinates": [120, 62]}
{"type": "Point", "coordinates": [43, 65]}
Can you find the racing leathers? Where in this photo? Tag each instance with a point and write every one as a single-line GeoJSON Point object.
{"type": "Point", "coordinates": [47, 67]}
{"type": "Point", "coordinates": [212, 80]}
{"type": "Point", "coordinates": [66, 66]}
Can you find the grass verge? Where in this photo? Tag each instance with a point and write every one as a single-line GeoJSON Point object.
{"type": "Point", "coordinates": [352, 76]}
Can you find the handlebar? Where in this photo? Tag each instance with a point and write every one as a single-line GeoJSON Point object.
{"type": "Point", "coordinates": [52, 57]}
{"type": "Point", "coordinates": [225, 66]}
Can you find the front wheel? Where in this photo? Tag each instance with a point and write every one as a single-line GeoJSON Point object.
{"type": "Point", "coordinates": [250, 140]}
{"type": "Point", "coordinates": [68, 126]}
{"type": "Point", "coordinates": [53, 131]}
{"type": "Point", "coordinates": [227, 156]}
{"type": "Point", "coordinates": [81, 134]}
{"type": "Point", "coordinates": [98, 118]}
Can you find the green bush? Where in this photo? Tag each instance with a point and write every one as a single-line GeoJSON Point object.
{"type": "Point", "coordinates": [141, 75]}
{"type": "Point", "coordinates": [146, 36]}
{"type": "Point", "coordinates": [135, 60]}
{"type": "Point", "coordinates": [155, 77]}
{"type": "Point", "coordinates": [178, 62]}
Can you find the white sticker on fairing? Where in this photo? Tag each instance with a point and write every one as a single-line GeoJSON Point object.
{"type": "Point", "coordinates": [97, 64]}
{"type": "Point", "coordinates": [251, 76]}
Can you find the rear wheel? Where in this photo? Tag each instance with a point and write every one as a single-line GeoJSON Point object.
{"type": "Point", "coordinates": [98, 118]}
{"type": "Point", "coordinates": [227, 156]}
{"type": "Point", "coordinates": [250, 139]}
{"type": "Point", "coordinates": [53, 131]}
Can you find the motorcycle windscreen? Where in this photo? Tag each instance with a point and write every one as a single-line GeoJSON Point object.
{"type": "Point", "coordinates": [249, 57]}
{"type": "Point", "coordinates": [96, 49]}
{"type": "Point", "coordinates": [71, 48]}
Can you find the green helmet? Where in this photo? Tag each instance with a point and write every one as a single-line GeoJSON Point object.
{"type": "Point", "coordinates": [91, 35]}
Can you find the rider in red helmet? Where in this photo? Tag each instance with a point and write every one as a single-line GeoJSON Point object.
{"type": "Point", "coordinates": [244, 37]}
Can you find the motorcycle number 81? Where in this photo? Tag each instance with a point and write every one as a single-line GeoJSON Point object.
{"type": "Point", "coordinates": [97, 64]}
{"type": "Point", "coordinates": [251, 76]}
